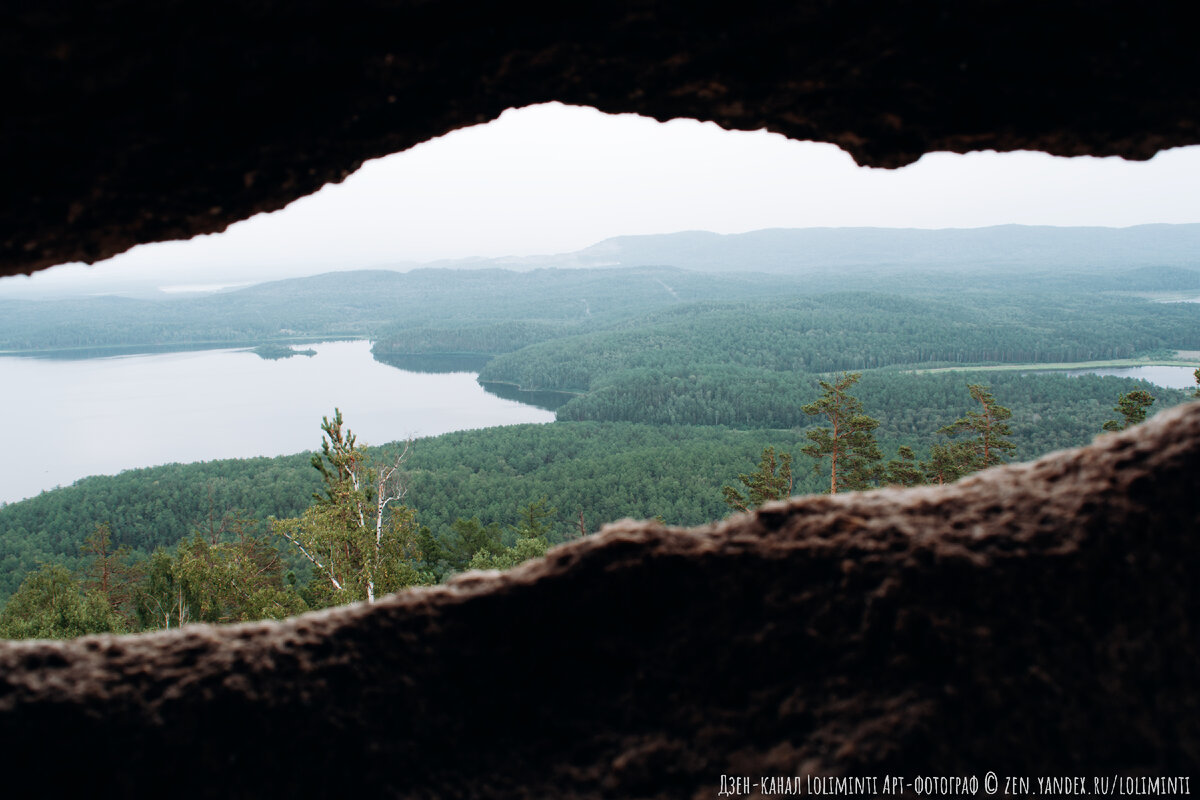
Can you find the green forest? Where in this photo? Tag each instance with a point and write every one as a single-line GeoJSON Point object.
{"type": "Point", "coordinates": [680, 396]}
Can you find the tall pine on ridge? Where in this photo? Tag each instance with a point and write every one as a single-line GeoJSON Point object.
{"type": "Point", "coordinates": [990, 426]}
{"type": "Point", "coordinates": [849, 442]}
{"type": "Point", "coordinates": [771, 481]}
{"type": "Point", "coordinates": [1132, 407]}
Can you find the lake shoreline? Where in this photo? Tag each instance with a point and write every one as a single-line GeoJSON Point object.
{"type": "Point", "coordinates": [109, 351]}
{"type": "Point", "coordinates": [101, 416]}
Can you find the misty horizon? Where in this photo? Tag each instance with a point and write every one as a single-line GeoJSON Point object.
{"type": "Point", "coordinates": [617, 251]}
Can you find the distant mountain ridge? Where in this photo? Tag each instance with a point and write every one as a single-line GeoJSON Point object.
{"type": "Point", "coordinates": [799, 250]}
{"type": "Point", "coordinates": [830, 254]}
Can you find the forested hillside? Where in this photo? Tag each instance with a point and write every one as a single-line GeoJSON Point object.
{"type": "Point", "coordinates": [856, 331]}
{"type": "Point", "coordinates": [363, 304]}
{"type": "Point", "coordinates": [606, 471]}
{"type": "Point", "coordinates": [1051, 411]}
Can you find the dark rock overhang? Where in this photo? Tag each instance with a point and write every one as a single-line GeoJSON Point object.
{"type": "Point", "coordinates": [128, 121]}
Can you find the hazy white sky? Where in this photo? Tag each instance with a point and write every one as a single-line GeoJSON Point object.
{"type": "Point", "coordinates": [553, 178]}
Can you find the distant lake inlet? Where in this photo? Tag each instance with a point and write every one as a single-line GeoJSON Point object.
{"type": "Point", "coordinates": [67, 419]}
{"type": "Point", "coordinates": [1169, 377]}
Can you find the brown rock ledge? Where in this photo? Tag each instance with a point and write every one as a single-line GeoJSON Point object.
{"type": "Point", "coordinates": [1034, 619]}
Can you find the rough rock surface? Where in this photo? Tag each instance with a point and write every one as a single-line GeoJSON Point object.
{"type": "Point", "coordinates": [1034, 619]}
{"type": "Point", "coordinates": [126, 121]}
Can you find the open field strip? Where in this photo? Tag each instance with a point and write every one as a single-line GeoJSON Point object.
{"type": "Point", "coordinates": [1063, 365]}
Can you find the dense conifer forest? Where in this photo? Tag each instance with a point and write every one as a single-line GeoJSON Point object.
{"type": "Point", "coordinates": [670, 386]}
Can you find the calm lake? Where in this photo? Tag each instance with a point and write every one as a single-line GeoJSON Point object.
{"type": "Point", "coordinates": [66, 420]}
{"type": "Point", "coordinates": [1169, 377]}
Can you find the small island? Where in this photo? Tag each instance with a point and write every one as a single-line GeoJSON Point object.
{"type": "Point", "coordinates": [274, 352]}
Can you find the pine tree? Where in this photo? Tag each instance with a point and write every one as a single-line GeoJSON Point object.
{"type": "Point", "coordinates": [108, 572]}
{"type": "Point", "coordinates": [471, 537]}
{"type": "Point", "coordinates": [1197, 376]}
{"type": "Point", "coordinates": [849, 442]}
{"type": "Point", "coordinates": [903, 470]}
{"type": "Point", "coordinates": [989, 424]}
{"type": "Point", "coordinates": [532, 539]}
{"type": "Point", "coordinates": [771, 481]}
{"type": "Point", "coordinates": [948, 462]}
{"type": "Point", "coordinates": [535, 520]}
{"type": "Point", "coordinates": [1132, 407]}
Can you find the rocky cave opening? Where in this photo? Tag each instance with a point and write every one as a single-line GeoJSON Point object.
{"type": "Point", "coordinates": [1036, 619]}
